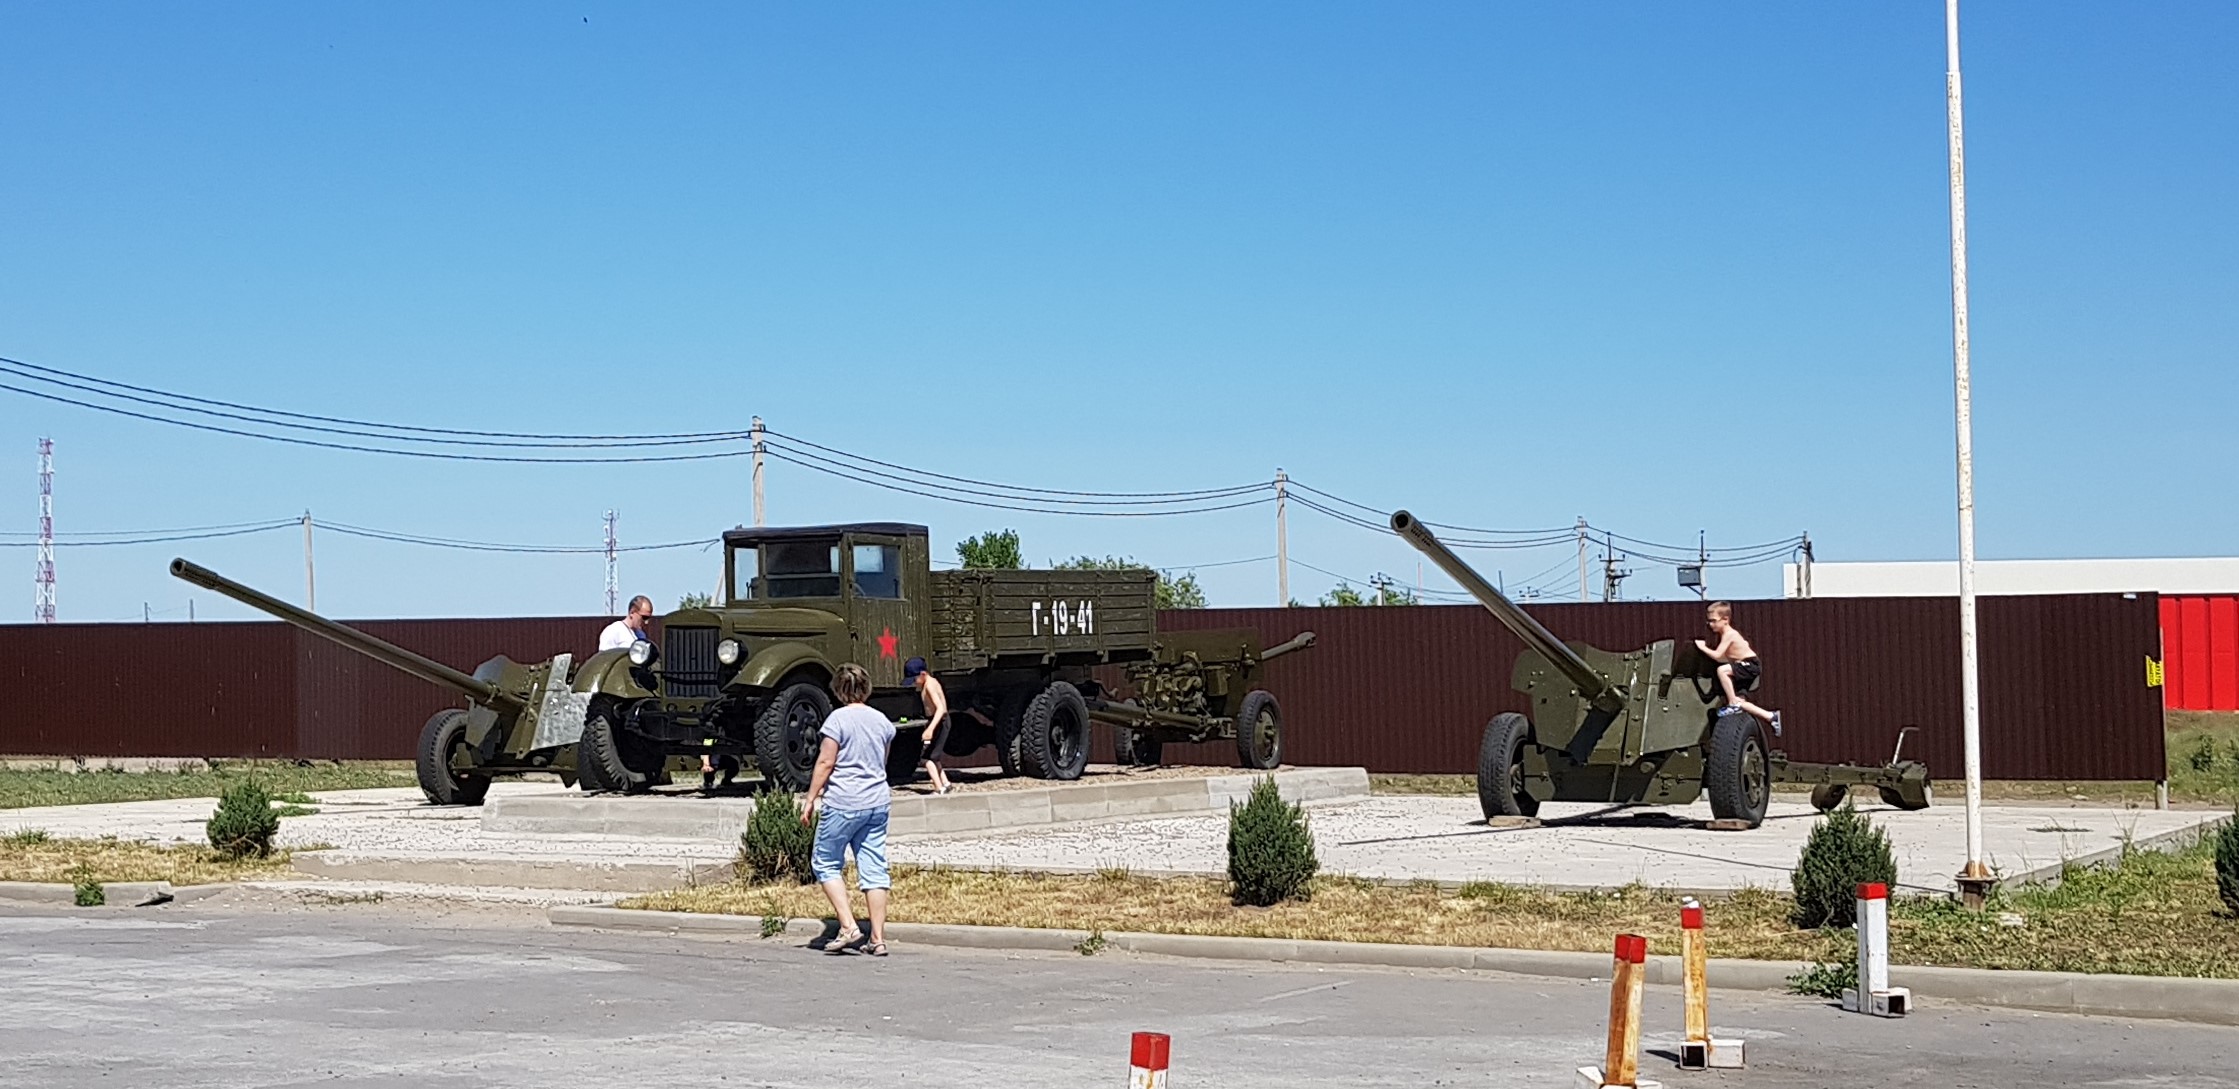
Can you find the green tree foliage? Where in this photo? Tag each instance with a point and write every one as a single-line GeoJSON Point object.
{"type": "Point", "coordinates": [2227, 864]}
{"type": "Point", "coordinates": [996, 549]}
{"type": "Point", "coordinates": [1173, 592]}
{"type": "Point", "coordinates": [1343, 594]}
{"type": "Point", "coordinates": [1270, 849]}
{"type": "Point", "coordinates": [776, 844]}
{"type": "Point", "coordinates": [244, 823]}
{"type": "Point", "coordinates": [1845, 850]}
{"type": "Point", "coordinates": [695, 600]}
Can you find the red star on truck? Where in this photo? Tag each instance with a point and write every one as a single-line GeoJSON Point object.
{"type": "Point", "coordinates": [888, 645]}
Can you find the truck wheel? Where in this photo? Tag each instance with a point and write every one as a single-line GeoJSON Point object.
{"type": "Point", "coordinates": [787, 732]}
{"type": "Point", "coordinates": [1500, 768]}
{"type": "Point", "coordinates": [612, 758]}
{"type": "Point", "coordinates": [1053, 734]}
{"type": "Point", "coordinates": [1735, 771]}
{"type": "Point", "coordinates": [444, 752]}
{"type": "Point", "coordinates": [904, 755]}
{"type": "Point", "coordinates": [1136, 748]}
{"type": "Point", "coordinates": [1826, 796]}
{"type": "Point", "coordinates": [1010, 716]}
{"type": "Point", "coordinates": [1259, 731]}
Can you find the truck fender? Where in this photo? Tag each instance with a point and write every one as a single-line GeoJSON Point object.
{"type": "Point", "coordinates": [607, 673]}
{"type": "Point", "coordinates": [772, 664]}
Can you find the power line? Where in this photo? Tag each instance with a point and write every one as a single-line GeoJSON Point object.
{"type": "Point", "coordinates": [1198, 493]}
{"type": "Point", "coordinates": [967, 498]}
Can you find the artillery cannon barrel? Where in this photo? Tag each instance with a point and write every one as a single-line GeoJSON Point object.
{"type": "Point", "coordinates": [1302, 641]}
{"type": "Point", "coordinates": [1596, 688]}
{"type": "Point", "coordinates": [380, 650]}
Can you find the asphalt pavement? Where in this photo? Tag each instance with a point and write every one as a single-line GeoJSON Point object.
{"type": "Point", "coordinates": [274, 993]}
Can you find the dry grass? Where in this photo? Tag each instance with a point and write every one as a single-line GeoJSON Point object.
{"type": "Point", "coordinates": [31, 856]}
{"type": "Point", "coordinates": [2154, 914]}
{"type": "Point", "coordinates": [22, 788]}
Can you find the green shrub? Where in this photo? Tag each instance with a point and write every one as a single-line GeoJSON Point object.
{"type": "Point", "coordinates": [1845, 849]}
{"type": "Point", "coordinates": [2202, 758]}
{"type": "Point", "coordinates": [84, 890]}
{"type": "Point", "coordinates": [244, 824]}
{"type": "Point", "coordinates": [776, 844]}
{"type": "Point", "coordinates": [1270, 850]}
{"type": "Point", "coordinates": [1826, 979]}
{"type": "Point", "coordinates": [2227, 863]}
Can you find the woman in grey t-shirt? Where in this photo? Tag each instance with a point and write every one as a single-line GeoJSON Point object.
{"type": "Point", "coordinates": [848, 800]}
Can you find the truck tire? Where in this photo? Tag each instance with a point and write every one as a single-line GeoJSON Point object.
{"type": "Point", "coordinates": [1259, 731]}
{"type": "Point", "coordinates": [1826, 796]}
{"type": "Point", "coordinates": [1735, 771]}
{"type": "Point", "coordinates": [1136, 749]}
{"type": "Point", "coordinates": [1053, 734]}
{"type": "Point", "coordinates": [612, 758]}
{"type": "Point", "coordinates": [904, 755]}
{"type": "Point", "coordinates": [443, 736]}
{"type": "Point", "coordinates": [787, 733]}
{"type": "Point", "coordinates": [1500, 768]}
{"type": "Point", "coordinates": [1010, 716]}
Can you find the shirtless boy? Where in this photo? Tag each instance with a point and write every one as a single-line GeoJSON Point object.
{"type": "Point", "coordinates": [1738, 667]}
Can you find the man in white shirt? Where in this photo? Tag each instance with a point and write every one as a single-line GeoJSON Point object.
{"type": "Point", "coordinates": [631, 628]}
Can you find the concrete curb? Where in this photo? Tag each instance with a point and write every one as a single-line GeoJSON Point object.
{"type": "Point", "coordinates": [114, 893]}
{"type": "Point", "coordinates": [2050, 873]}
{"type": "Point", "coordinates": [2206, 1001]}
{"type": "Point", "coordinates": [619, 875]}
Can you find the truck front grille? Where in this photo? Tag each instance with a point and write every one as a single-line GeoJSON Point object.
{"type": "Point", "coordinates": [688, 663]}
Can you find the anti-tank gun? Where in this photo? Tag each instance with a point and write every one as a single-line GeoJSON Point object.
{"type": "Point", "coordinates": [1638, 727]}
{"type": "Point", "coordinates": [518, 718]}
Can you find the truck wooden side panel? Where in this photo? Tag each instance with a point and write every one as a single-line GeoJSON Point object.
{"type": "Point", "coordinates": [982, 618]}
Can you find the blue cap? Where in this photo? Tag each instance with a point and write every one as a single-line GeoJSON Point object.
{"type": "Point", "coordinates": [912, 668]}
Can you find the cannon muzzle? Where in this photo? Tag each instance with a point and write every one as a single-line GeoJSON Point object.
{"type": "Point", "coordinates": [1302, 641]}
{"type": "Point", "coordinates": [1592, 685]}
{"type": "Point", "coordinates": [380, 650]}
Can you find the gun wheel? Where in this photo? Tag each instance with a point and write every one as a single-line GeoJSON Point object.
{"type": "Point", "coordinates": [446, 762]}
{"type": "Point", "coordinates": [1500, 768]}
{"type": "Point", "coordinates": [1736, 772]}
{"type": "Point", "coordinates": [1137, 749]}
{"type": "Point", "coordinates": [1827, 796]}
{"type": "Point", "coordinates": [1259, 731]}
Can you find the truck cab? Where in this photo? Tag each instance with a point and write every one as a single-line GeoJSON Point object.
{"type": "Point", "coordinates": [858, 592]}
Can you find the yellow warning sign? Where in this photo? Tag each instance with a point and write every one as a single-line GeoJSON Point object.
{"type": "Point", "coordinates": [2153, 673]}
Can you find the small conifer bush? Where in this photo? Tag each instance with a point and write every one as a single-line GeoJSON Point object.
{"type": "Point", "coordinates": [1270, 850]}
{"type": "Point", "coordinates": [1844, 851]}
{"type": "Point", "coordinates": [244, 824]}
{"type": "Point", "coordinates": [776, 844]}
{"type": "Point", "coordinates": [2227, 864]}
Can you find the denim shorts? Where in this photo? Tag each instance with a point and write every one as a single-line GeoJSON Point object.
{"type": "Point", "coordinates": [837, 830]}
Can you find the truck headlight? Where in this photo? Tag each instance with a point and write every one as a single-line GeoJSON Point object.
{"type": "Point", "coordinates": [642, 653]}
{"type": "Point", "coordinates": [727, 652]}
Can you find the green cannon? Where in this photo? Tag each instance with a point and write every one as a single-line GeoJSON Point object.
{"type": "Point", "coordinates": [1635, 728]}
{"type": "Point", "coordinates": [516, 719]}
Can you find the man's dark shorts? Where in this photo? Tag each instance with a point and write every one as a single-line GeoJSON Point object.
{"type": "Point", "coordinates": [940, 739]}
{"type": "Point", "coordinates": [1746, 673]}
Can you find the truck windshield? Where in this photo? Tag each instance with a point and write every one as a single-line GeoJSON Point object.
{"type": "Point", "coordinates": [799, 569]}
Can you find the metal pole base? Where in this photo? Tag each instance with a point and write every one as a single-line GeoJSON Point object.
{"type": "Point", "coordinates": [1894, 1002]}
{"type": "Point", "coordinates": [1974, 892]}
{"type": "Point", "coordinates": [1590, 1077]}
{"type": "Point", "coordinates": [1712, 1054]}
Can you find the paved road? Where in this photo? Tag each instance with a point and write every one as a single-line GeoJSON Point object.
{"type": "Point", "coordinates": [247, 994]}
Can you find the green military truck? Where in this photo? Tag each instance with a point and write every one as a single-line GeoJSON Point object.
{"type": "Point", "coordinates": [1016, 651]}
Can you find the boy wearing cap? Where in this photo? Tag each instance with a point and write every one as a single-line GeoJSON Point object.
{"type": "Point", "coordinates": [935, 701]}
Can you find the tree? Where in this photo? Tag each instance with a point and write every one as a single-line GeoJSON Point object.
{"type": "Point", "coordinates": [1343, 595]}
{"type": "Point", "coordinates": [996, 549]}
{"type": "Point", "coordinates": [1385, 593]}
{"type": "Point", "coordinates": [695, 600]}
{"type": "Point", "coordinates": [1173, 593]}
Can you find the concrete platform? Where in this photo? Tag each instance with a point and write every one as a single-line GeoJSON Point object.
{"type": "Point", "coordinates": [721, 819]}
{"type": "Point", "coordinates": [592, 874]}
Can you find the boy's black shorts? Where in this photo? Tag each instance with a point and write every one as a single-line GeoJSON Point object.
{"type": "Point", "coordinates": [1746, 673]}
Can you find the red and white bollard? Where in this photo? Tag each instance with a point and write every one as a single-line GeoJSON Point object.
{"type": "Point", "coordinates": [1146, 1060]}
{"type": "Point", "coordinates": [1620, 1067]}
{"type": "Point", "coordinates": [1873, 994]}
{"type": "Point", "coordinates": [1699, 1051]}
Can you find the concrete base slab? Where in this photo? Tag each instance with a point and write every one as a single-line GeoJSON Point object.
{"type": "Point", "coordinates": [1712, 1054]}
{"type": "Point", "coordinates": [600, 875]}
{"type": "Point", "coordinates": [1590, 1077]}
{"type": "Point", "coordinates": [113, 894]}
{"type": "Point", "coordinates": [696, 818]}
{"type": "Point", "coordinates": [1894, 1002]}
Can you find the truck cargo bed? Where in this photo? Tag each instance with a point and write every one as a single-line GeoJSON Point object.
{"type": "Point", "coordinates": [992, 617]}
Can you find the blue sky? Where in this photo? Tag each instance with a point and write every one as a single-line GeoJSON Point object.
{"type": "Point", "coordinates": [1669, 267]}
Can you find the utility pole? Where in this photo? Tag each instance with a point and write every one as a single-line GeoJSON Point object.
{"type": "Point", "coordinates": [1582, 598]}
{"type": "Point", "coordinates": [756, 433]}
{"type": "Point", "coordinates": [1974, 881]}
{"type": "Point", "coordinates": [1612, 574]}
{"type": "Point", "coordinates": [1803, 572]}
{"type": "Point", "coordinates": [310, 585]}
{"type": "Point", "coordinates": [1282, 539]}
{"type": "Point", "coordinates": [613, 582]}
{"type": "Point", "coordinates": [42, 608]}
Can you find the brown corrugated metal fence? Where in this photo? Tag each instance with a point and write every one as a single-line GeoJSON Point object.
{"type": "Point", "coordinates": [1392, 689]}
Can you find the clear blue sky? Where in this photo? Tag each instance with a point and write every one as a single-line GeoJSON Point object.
{"type": "Point", "coordinates": [1670, 267]}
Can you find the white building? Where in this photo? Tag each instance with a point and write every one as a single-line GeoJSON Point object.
{"type": "Point", "coordinates": [2193, 576]}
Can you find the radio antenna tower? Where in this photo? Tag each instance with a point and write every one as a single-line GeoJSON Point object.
{"type": "Point", "coordinates": [613, 585]}
{"type": "Point", "coordinates": [43, 607]}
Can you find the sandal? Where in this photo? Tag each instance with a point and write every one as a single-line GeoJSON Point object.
{"type": "Point", "coordinates": [844, 941]}
{"type": "Point", "coordinates": [876, 949]}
